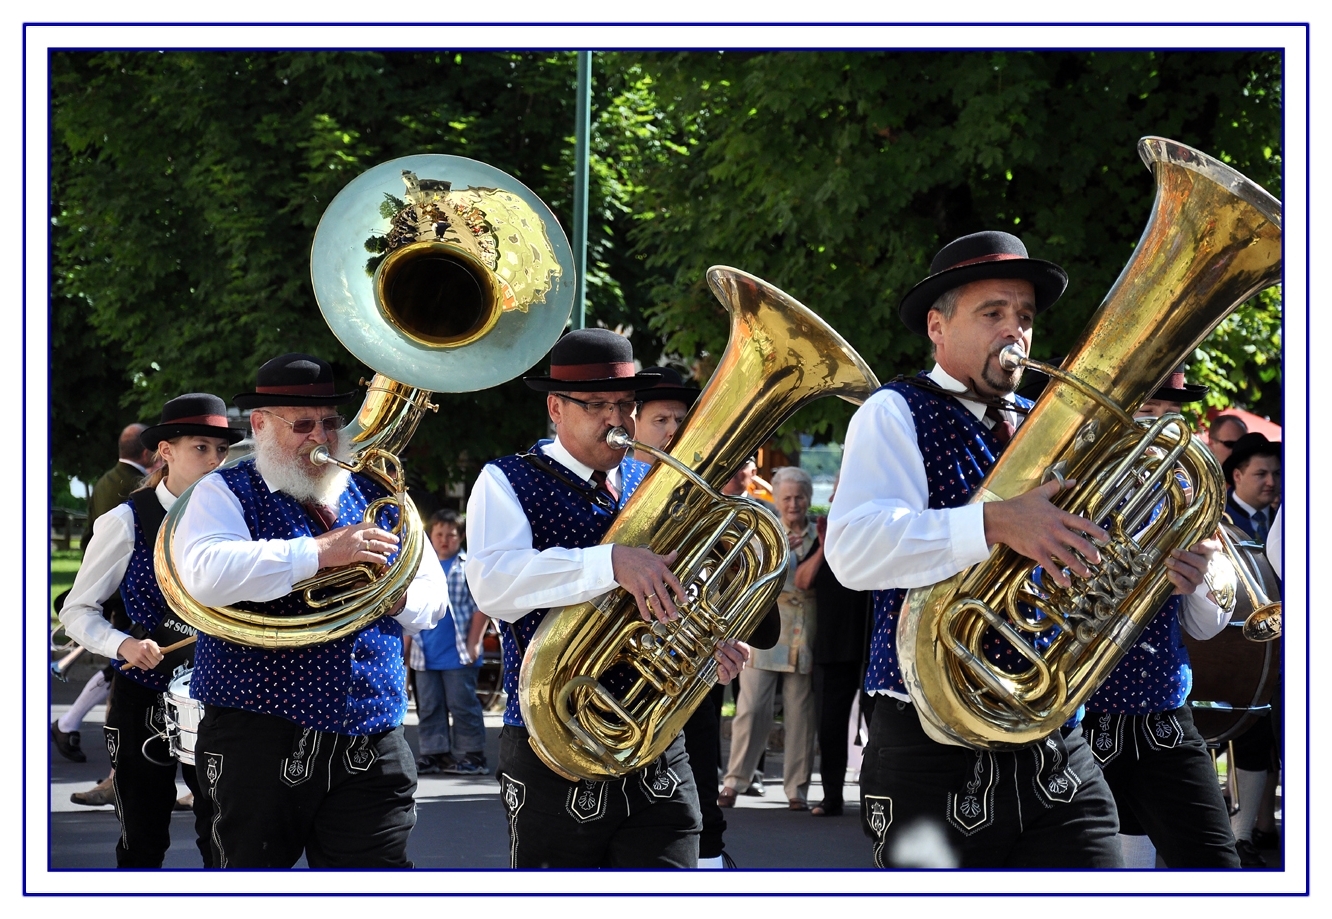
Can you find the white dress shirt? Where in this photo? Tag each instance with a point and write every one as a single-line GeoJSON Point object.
{"type": "Point", "coordinates": [106, 557]}
{"type": "Point", "coordinates": [507, 576]}
{"type": "Point", "coordinates": [220, 564]}
{"type": "Point", "coordinates": [882, 532]}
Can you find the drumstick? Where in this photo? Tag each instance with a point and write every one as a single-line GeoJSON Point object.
{"type": "Point", "coordinates": [168, 649]}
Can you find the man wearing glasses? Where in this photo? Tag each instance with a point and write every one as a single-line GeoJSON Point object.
{"type": "Point", "coordinates": [534, 527]}
{"type": "Point", "coordinates": [301, 749]}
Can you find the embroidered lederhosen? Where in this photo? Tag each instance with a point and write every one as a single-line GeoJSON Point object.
{"type": "Point", "coordinates": [353, 685]}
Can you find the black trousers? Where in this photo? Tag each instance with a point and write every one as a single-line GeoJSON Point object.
{"type": "Point", "coordinates": [1165, 786]}
{"type": "Point", "coordinates": [927, 804]}
{"type": "Point", "coordinates": [279, 789]}
{"type": "Point", "coordinates": [702, 734]}
{"type": "Point", "coordinates": [146, 790]}
{"type": "Point", "coordinates": [647, 819]}
{"type": "Point", "coordinates": [835, 688]}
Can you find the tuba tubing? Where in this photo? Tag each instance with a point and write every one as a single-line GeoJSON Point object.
{"type": "Point", "coordinates": [780, 356]}
{"type": "Point", "coordinates": [1213, 241]}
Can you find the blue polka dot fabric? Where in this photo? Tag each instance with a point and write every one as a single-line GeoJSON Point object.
{"type": "Point", "coordinates": [143, 600]}
{"type": "Point", "coordinates": [958, 451]}
{"type": "Point", "coordinates": [1154, 676]}
{"type": "Point", "coordinates": [355, 685]}
{"type": "Point", "coordinates": [560, 516]}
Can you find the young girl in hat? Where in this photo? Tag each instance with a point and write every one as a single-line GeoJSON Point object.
{"type": "Point", "coordinates": [116, 609]}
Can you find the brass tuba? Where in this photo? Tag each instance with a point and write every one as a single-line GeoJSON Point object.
{"type": "Point", "coordinates": [733, 551]}
{"type": "Point", "coordinates": [445, 275]}
{"type": "Point", "coordinates": [1213, 241]}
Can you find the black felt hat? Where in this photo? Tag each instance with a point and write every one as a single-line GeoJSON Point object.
{"type": "Point", "coordinates": [293, 379]}
{"type": "Point", "coordinates": [592, 360]}
{"type": "Point", "coordinates": [200, 414]}
{"type": "Point", "coordinates": [1174, 389]}
{"type": "Point", "coordinates": [1247, 447]}
{"type": "Point", "coordinates": [671, 388]}
{"type": "Point", "coordinates": [990, 254]}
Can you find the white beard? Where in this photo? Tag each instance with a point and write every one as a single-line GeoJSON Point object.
{"type": "Point", "coordinates": [294, 476]}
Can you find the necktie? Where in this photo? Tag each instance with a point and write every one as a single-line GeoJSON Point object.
{"type": "Point", "coordinates": [1003, 429]}
{"type": "Point", "coordinates": [323, 514]}
{"type": "Point", "coordinates": [603, 484]}
{"type": "Point", "coordinates": [1259, 520]}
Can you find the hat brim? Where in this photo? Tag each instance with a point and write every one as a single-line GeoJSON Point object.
{"type": "Point", "coordinates": [1271, 448]}
{"type": "Point", "coordinates": [1048, 278]}
{"type": "Point", "coordinates": [1192, 392]}
{"type": "Point", "coordinates": [153, 436]}
{"type": "Point", "coordinates": [686, 394]}
{"type": "Point", "coordinates": [248, 401]}
{"type": "Point", "coordinates": [634, 383]}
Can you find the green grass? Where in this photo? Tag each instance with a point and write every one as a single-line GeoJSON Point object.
{"type": "Point", "coordinates": [64, 565]}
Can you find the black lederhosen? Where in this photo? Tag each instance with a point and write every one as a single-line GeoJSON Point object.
{"type": "Point", "coordinates": [1164, 785]}
{"type": "Point", "coordinates": [647, 819]}
{"type": "Point", "coordinates": [346, 801]}
{"type": "Point", "coordinates": [146, 790]}
{"type": "Point", "coordinates": [927, 804]}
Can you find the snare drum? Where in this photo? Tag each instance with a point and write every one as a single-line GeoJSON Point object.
{"type": "Point", "coordinates": [183, 715]}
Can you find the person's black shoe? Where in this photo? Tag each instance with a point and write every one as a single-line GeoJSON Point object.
{"type": "Point", "coordinates": [1266, 839]}
{"type": "Point", "coordinates": [433, 763]}
{"type": "Point", "coordinates": [825, 809]}
{"type": "Point", "coordinates": [1249, 855]}
{"type": "Point", "coordinates": [67, 744]}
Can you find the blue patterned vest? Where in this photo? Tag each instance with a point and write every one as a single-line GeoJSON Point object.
{"type": "Point", "coordinates": [1154, 676]}
{"type": "Point", "coordinates": [958, 450]}
{"type": "Point", "coordinates": [355, 685]}
{"type": "Point", "coordinates": [149, 613]}
{"type": "Point", "coordinates": [560, 516]}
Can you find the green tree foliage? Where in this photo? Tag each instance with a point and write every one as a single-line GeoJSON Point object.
{"type": "Point", "coordinates": [837, 176]}
{"type": "Point", "coordinates": [187, 188]}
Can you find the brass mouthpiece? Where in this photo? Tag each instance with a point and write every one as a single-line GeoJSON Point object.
{"type": "Point", "coordinates": [1012, 357]}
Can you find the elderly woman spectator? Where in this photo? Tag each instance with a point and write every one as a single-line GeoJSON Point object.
{"type": "Point", "coordinates": [791, 659]}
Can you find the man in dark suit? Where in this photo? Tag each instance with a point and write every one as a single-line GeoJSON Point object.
{"type": "Point", "coordinates": [116, 483]}
{"type": "Point", "coordinates": [1253, 474]}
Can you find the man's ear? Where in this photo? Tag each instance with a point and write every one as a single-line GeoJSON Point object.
{"type": "Point", "coordinates": [257, 420]}
{"type": "Point", "coordinates": [934, 322]}
{"type": "Point", "coordinates": [554, 408]}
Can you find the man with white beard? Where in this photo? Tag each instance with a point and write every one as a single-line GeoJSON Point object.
{"type": "Point", "coordinates": [302, 748]}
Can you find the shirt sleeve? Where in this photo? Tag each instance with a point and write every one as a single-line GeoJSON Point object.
{"type": "Point", "coordinates": [219, 564]}
{"type": "Point", "coordinates": [882, 532]}
{"type": "Point", "coordinates": [105, 560]}
{"type": "Point", "coordinates": [507, 576]}
{"type": "Point", "coordinates": [427, 596]}
{"type": "Point", "coordinates": [1199, 616]}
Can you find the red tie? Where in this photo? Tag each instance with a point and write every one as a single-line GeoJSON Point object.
{"type": "Point", "coordinates": [603, 484]}
{"type": "Point", "coordinates": [323, 514]}
{"type": "Point", "coordinates": [1003, 429]}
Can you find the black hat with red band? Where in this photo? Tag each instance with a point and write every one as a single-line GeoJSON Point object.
{"type": "Point", "coordinates": [592, 360]}
{"type": "Point", "coordinates": [199, 414]}
{"type": "Point", "coordinates": [990, 254]}
{"type": "Point", "coordinates": [293, 379]}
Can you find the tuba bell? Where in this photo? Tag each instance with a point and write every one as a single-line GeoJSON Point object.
{"type": "Point", "coordinates": [445, 275]}
{"type": "Point", "coordinates": [733, 551]}
{"type": "Point", "coordinates": [1212, 242]}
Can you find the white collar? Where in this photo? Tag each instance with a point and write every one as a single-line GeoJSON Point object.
{"type": "Point", "coordinates": [164, 495]}
{"type": "Point", "coordinates": [560, 454]}
{"type": "Point", "coordinates": [1244, 507]}
{"type": "Point", "coordinates": [142, 471]}
{"type": "Point", "coordinates": [940, 376]}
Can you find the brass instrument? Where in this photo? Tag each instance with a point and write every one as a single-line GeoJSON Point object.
{"type": "Point", "coordinates": [1262, 615]}
{"type": "Point", "coordinates": [446, 275]}
{"type": "Point", "coordinates": [733, 551]}
{"type": "Point", "coordinates": [1213, 241]}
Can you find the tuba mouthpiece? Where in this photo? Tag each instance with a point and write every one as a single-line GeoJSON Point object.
{"type": "Point", "coordinates": [619, 439]}
{"type": "Point", "coordinates": [1012, 357]}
